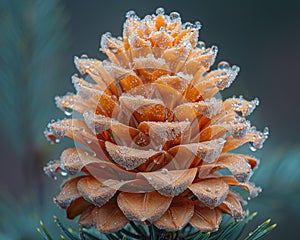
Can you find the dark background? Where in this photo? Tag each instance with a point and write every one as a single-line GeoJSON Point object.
{"type": "Point", "coordinates": [38, 40]}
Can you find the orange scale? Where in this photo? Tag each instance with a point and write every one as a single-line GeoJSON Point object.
{"type": "Point", "coordinates": [175, 82]}
{"type": "Point", "coordinates": [129, 82]}
{"type": "Point", "coordinates": [170, 97]}
{"type": "Point", "coordinates": [107, 106]}
{"type": "Point", "coordinates": [180, 36]}
{"type": "Point", "coordinates": [142, 207]}
{"type": "Point", "coordinates": [97, 192]}
{"type": "Point", "coordinates": [109, 218]}
{"type": "Point", "coordinates": [160, 22]}
{"type": "Point", "coordinates": [77, 207]}
{"type": "Point", "coordinates": [178, 214]}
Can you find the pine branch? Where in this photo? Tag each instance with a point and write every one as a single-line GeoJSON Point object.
{"type": "Point", "coordinates": [231, 231]}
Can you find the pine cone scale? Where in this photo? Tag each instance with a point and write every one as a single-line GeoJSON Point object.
{"type": "Point", "coordinates": [153, 133]}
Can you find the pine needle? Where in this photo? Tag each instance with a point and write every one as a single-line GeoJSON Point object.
{"type": "Point", "coordinates": [135, 231]}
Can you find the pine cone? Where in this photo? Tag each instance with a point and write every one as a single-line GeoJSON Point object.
{"type": "Point", "coordinates": [152, 133]}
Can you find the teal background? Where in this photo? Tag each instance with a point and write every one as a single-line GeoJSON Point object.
{"type": "Point", "coordinates": [38, 40]}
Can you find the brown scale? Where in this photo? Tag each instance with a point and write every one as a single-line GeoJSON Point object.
{"type": "Point", "coordinates": [154, 136]}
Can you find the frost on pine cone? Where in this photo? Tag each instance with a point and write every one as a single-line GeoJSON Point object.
{"type": "Point", "coordinates": [152, 135]}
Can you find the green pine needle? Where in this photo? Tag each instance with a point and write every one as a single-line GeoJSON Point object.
{"type": "Point", "coordinates": [261, 231]}
{"type": "Point", "coordinates": [152, 232]}
{"type": "Point", "coordinates": [139, 230]}
{"type": "Point", "coordinates": [130, 234]}
{"type": "Point", "coordinates": [44, 231]}
{"type": "Point", "coordinates": [134, 231]}
{"type": "Point", "coordinates": [70, 234]}
{"type": "Point", "coordinates": [88, 235]}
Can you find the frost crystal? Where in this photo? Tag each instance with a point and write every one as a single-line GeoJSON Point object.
{"type": "Point", "coordinates": [152, 136]}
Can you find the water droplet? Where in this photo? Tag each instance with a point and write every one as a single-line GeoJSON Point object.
{"type": "Point", "coordinates": [174, 16]}
{"type": "Point", "coordinates": [114, 50]}
{"type": "Point", "coordinates": [63, 172]}
{"type": "Point", "coordinates": [160, 11]}
{"type": "Point", "coordinates": [258, 139]}
{"type": "Point", "coordinates": [107, 42]}
{"type": "Point", "coordinates": [148, 19]}
{"type": "Point", "coordinates": [224, 66]}
{"type": "Point", "coordinates": [107, 35]}
{"type": "Point", "coordinates": [162, 29]}
{"type": "Point", "coordinates": [237, 106]}
{"type": "Point", "coordinates": [256, 101]}
{"type": "Point", "coordinates": [68, 111]}
{"type": "Point", "coordinates": [164, 171]}
{"type": "Point", "coordinates": [266, 131]}
{"type": "Point", "coordinates": [214, 49]}
{"type": "Point", "coordinates": [259, 189]}
{"type": "Point", "coordinates": [51, 167]}
{"type": "Point", "coordinates": [85, 56]}
{"type": "Point", "coordinates": [197, 25]}
{"type": "Point", "coordinates": [235, 68]}
{"type": "Point", "coordinates": [252, 146]}
{"type": "Point", "coordinates": [130, 14]}
{"type": "Point", "coordinates": [201, 45]}
{"type": "Point", "coordinates": [57, 140]}
{"type": "Point", "coordinates": [187, 25]}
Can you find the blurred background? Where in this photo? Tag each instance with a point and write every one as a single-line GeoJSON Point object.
{"type": "Point", "coordinates": [38, 40]}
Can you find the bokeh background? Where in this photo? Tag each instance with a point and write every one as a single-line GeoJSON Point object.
{"type": "Point", "coordinates": [38, 40]}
